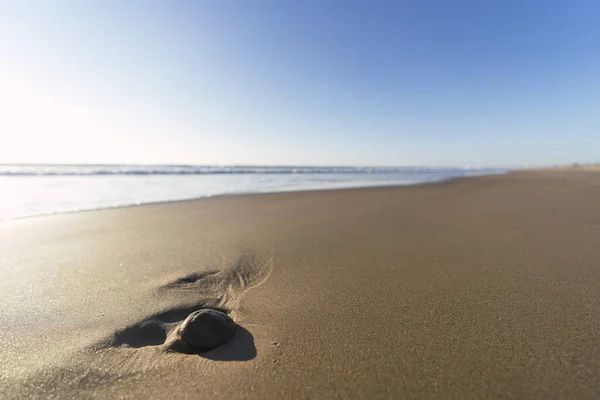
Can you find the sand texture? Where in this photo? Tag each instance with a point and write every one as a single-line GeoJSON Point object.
{"type": "Point", "coordinates": [482, 287]}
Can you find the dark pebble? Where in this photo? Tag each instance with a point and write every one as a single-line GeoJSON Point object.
{"type": "Point", "coordinates": [206, 329]}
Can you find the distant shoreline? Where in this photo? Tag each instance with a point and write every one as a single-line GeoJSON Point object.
{"type": "Point", "coordinates": [76, 191]}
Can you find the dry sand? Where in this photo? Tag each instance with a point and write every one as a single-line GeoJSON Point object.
{"type": "Point", "coordinates": [476, 288]}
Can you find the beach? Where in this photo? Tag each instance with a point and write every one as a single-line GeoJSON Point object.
{"type": "Point", "coordinates": [479, 287]}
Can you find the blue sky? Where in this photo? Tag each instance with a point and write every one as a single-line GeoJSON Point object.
{"type": "Point", "coordinates": [306, 82]}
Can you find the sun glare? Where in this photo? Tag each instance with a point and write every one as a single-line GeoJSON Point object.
{"type": "Point", "coordinates": [40, 127]}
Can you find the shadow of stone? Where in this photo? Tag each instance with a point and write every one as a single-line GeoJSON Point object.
{"type": "Point", "coordinates": [239, 348]}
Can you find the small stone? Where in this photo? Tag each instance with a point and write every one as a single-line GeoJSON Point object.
{"type": "Point", "coordinates": [206, 329]}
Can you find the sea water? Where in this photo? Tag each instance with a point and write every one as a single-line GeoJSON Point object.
{"type": "Point", "coordinates": [29, 190]}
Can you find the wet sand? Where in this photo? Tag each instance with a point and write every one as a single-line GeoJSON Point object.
{"type": "Point", "coordinates": [483, 287]}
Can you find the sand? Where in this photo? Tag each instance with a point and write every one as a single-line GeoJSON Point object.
{"type": "Point", "coordinates": [482, 287]}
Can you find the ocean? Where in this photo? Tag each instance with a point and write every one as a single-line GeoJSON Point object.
{"type": "Point", "coordinates": [30, 190]}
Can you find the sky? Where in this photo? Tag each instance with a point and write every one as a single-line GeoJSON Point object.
{"type": "Point", "coordinates": [311, 82]}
